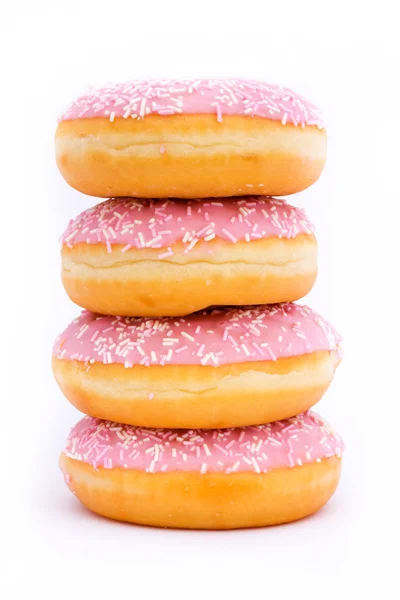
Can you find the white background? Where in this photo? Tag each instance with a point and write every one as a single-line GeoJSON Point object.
{"type": "Point", "coordinates": [345, 57]}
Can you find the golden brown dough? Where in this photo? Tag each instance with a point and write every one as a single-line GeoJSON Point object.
{"type": "Point", "coordinates": [188, 156]}
{"type": "Point", "coordinates": [138, 283]}
{"type": "Point", "coordinates": [210, 501]}
{"type": "Point", "coordinates": [196, 396]}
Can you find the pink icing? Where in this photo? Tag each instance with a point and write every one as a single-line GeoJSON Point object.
{"type": "Point", "coordinates": [303, 439]}
{"type": "Point", "coordinates": [161, 223]}
{"type": "Point", "coordinates": [213, 337]}
{"type": "Point", "coordinates": [221, 97]}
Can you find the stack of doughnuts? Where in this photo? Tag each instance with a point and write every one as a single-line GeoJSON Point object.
{"type": "Point", "coordinates": [194, 366]}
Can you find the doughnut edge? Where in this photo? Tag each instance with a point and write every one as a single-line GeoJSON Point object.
{"type": "Point", "coordinates": [209, 501]}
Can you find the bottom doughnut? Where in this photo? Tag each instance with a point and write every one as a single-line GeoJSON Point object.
{"type": "Point", "coordinates": [209, 491]}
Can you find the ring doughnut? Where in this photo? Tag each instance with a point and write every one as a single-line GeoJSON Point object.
{"type": "Point", "coordinates": [190, 139]}
{"type": "Point", "coordinates": [172, 258]}
{"type": "Point", "coordinates": [221, 368]}
{"type": "Point", "coordinates": [202, 479]}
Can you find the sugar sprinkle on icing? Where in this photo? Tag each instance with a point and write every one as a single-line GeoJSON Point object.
{"type": "Point", "coordinates": [165, 97]}
{"type": "Point", "coordinates": [212, 338]}
{"type": "Point", "coordinates": [155, 223]}
{"type": "Point", "coordinates": [303, 439]}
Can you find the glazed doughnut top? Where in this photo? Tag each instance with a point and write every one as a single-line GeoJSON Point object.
{"type": "Point", "coordinates": [220, 97]}
{"type": "Point", "coordinates": [161, 223]}
{"type": "Point", "coordinates": [213, 337]}
{"type": "Point", "coordinates": [305, 438]}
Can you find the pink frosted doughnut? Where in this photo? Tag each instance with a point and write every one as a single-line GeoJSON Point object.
{"type": "Point", "coordinates": [214, 479]}
{"type": "Point", "coordinates": [173, 257]}
{"type": "Point", "coordinates": [191, 138]}
{"type": "Point", "coordinates": [221, 368]}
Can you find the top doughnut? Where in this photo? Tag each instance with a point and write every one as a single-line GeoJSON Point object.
{"type": "Point", "coordinates": [190, 138]}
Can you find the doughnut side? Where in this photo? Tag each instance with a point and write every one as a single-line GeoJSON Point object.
{"type": "Point", "coordinates": [188, 156]}
{"type": "Point", "coordinates": [139, 283]}
{"type": "Point", "coordinates": [196, 396]}
{"type": "Point", "coordinates": [203, 501]}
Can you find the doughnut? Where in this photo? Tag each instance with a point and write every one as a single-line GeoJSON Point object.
{"type": "Point", "coordinates": [203, 479]}
{"type": "Point", "coordinates": [190, 139]}
{"type": "Point", "coordinates": [215, 369]}
{"type": "Point", "coordinates": [170, 257]}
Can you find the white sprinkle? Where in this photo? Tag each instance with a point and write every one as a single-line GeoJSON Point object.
{"type": "Point", "coordinates": [192, 244]}
{"type": "Point", "coordinates": [206, 450]}
{"type": "Point", "coordinates": [153, 240]}
{"type": "Point", "coordinates": [82, 331]}
{"type": "Point", "coordinates": [229, 235]}
{"type": "Point", "coordinates": [245, 349]}
{"type": "Point", "coordinates": [187, 336]}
